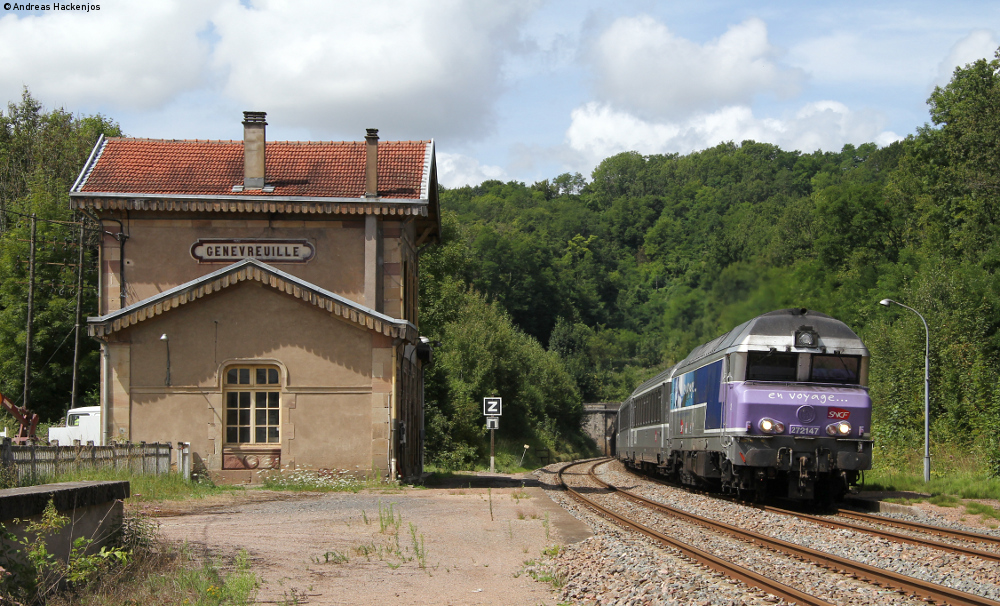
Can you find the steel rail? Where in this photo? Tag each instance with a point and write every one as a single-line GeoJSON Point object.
{"type": "Point", "coordinates": [888, 534]}
{"type": "Point", "coordinates": [918, 527]}
{"type": "Point", "coordinates": [871, 574]}
{"type": "Point", "coordinates": [729, 569]}
{"type": "Point", "coordinates": [873, 519]}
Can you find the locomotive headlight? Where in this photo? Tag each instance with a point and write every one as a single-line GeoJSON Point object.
{"type": "Point", "coordinates": [768, 425]}
{"type": "Point", "coordinates": [840, 428]}
{"type": "Point", "coordinates": [806, 337]}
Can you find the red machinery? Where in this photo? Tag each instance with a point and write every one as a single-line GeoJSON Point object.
{"type": "Point", "coordinates": [27, 419]}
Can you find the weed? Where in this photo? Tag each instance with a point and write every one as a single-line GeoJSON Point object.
{"type": "Point", "coordinates": [552, 551]}
{"type": "Point", "coordinates": [331, 557]}
{"type": "Point", "coordinates": [313, 480]}
{"type": "Point", "coordinates": [418, 547]}
{"type": "Point", "coordinates": [297, 597]}
{"type": "Point", "coordinates": [490, 492]}
{"type": "Point", "coordinates": [545, 524]}
{"type": "Point", "coordinates": [387, 517]}
{"type": "Point", "coordinates": [979, 509]}
{"type": "Point", "coordinates": [543, 574]}
{"type": "Point", "coordinates": [171, 579]}
{"type": "Point", "coordinates": [33, 573]}
{"type": "Point", "coordinates": [369, 550]}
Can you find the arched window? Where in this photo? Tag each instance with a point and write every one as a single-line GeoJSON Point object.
{"type": "Point", "coordinates": [253, 413]}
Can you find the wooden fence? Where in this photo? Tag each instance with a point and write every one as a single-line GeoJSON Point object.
{"type": "Point", "coordinates": [32, 462]}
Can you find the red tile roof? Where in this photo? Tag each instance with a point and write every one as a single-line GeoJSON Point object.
{"type": "Point", "coordinates": [211, 168]}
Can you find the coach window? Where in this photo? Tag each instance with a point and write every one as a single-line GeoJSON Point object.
{"type": "Point", "coordinates": [252, 405]}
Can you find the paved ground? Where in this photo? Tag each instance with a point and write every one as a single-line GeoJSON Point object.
{"type": "Point", "coordinates": [451, 545]}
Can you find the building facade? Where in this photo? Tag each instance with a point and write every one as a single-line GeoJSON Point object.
{"type": "Point", "coordinates": [259, 299]}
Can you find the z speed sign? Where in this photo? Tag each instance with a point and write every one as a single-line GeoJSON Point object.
{"type": "Point", "coordinates": [492, 407]}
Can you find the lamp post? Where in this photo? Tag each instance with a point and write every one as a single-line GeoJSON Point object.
{"type": "Point", "coordinates": [927, 387]}
{"type": "Point", "coordinates": [164, 338]}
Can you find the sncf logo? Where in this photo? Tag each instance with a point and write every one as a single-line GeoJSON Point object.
{"type": "Point", "coordinates": [838, 413]}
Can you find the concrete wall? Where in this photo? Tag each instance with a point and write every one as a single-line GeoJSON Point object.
{"type": "Point", "coordinates": [599, 423]}
{"type": "Point", "coordinates": [94, 510]}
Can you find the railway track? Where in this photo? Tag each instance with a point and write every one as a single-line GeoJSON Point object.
{"type": "Point", "coordinates": [902, 538]}
{"type": "Point", "coordinates": [954, 533]}
{"type": "Point", "coordinates": [731, 570]}
{"type": "Point", "coordinates": [832, 522]}
{"type": "Point", "coordinates": [871, 574]}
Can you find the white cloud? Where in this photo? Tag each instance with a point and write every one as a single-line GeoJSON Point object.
{"type": "Point", "coordinates": [129, 55]}
{"type": "Point", "coordinates": [979, 44]}
{"type": "Point", "coordinates": [642, 67]}
{"type": "Point", "coordinates": [412, 69]}
{"type": "Point", "coordinates": [598, 130]}
{"type": "Point", "coordinates": [456, 170]}
{"type": "Point", "coordinates": [872, 57]}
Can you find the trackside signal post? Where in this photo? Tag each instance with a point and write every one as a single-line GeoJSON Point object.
{"type": "Point", "coordinates": [492, 408]}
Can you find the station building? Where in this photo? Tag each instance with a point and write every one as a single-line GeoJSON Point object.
{"type": "Point", "coordinates": [258, 299]}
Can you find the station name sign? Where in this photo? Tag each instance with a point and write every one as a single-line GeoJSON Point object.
{"type": "Point", "coordinates": [230, 250]}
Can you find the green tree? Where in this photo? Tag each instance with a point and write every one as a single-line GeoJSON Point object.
{"type": "Point", "coordinates": [481, 353]}
{"type": "Point", "coordinates": [41, 154]}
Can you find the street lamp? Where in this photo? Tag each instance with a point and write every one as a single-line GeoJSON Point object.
{"type": "Point", "coordinates": [927, 387]}
{"type": "Point", "coordinates": [163, 338]}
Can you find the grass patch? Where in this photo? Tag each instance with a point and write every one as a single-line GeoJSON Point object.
{"type": "Point", "coordinates": [960, 483]}
{"type": "Point", "coordinates": [944, 500]}
{"type": "Point", "coordinates": [164, 487]}
{"type": "Point", "coordinates": [979, 509]}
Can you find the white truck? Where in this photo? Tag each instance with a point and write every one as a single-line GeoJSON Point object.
{"type": "Point", "coordinates": [82, 424]}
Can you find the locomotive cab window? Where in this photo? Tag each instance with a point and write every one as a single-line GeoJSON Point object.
{"type": "Point", "coordinates": [835, 369]}
{"type": "Point", "coordinates": [252, 405]}
{"type": "Point", "coordinates": [772, 366]}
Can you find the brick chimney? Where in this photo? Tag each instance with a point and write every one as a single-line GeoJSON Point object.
{"type": "Point", "coordinates": [371, 163]}
{"type": "Point", "coordinates": [253, 149]}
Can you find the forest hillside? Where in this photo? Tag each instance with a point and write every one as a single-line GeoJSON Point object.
{"type": "Point", "coordinates": [570, 291]}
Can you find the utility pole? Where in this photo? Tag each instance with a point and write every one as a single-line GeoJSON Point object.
{"type": "Point", "coordinates": [25, 401]}
{"type": "Point", "coordinates": [79, 303]}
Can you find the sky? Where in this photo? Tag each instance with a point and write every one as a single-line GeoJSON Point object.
{"type": "Point", "coordinates": [510, 90]}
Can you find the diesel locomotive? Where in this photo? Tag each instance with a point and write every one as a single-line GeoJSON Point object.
{"type": "Point", "coordinates": [776, 407]}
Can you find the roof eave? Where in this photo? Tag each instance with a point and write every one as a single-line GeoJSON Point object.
{"type": "Point", "coordinates": [236, 198]}
{"type": "Point", "coordinates": [88, 167]}
{"type": "Point", "coordinates": [101, 326]}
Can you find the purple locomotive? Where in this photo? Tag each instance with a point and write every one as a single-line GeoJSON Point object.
{"type": "Point", "coordinates": [776, 407]}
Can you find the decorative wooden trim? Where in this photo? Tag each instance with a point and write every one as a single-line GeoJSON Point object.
{"type": "Point", "coordinates": [252, 270]}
